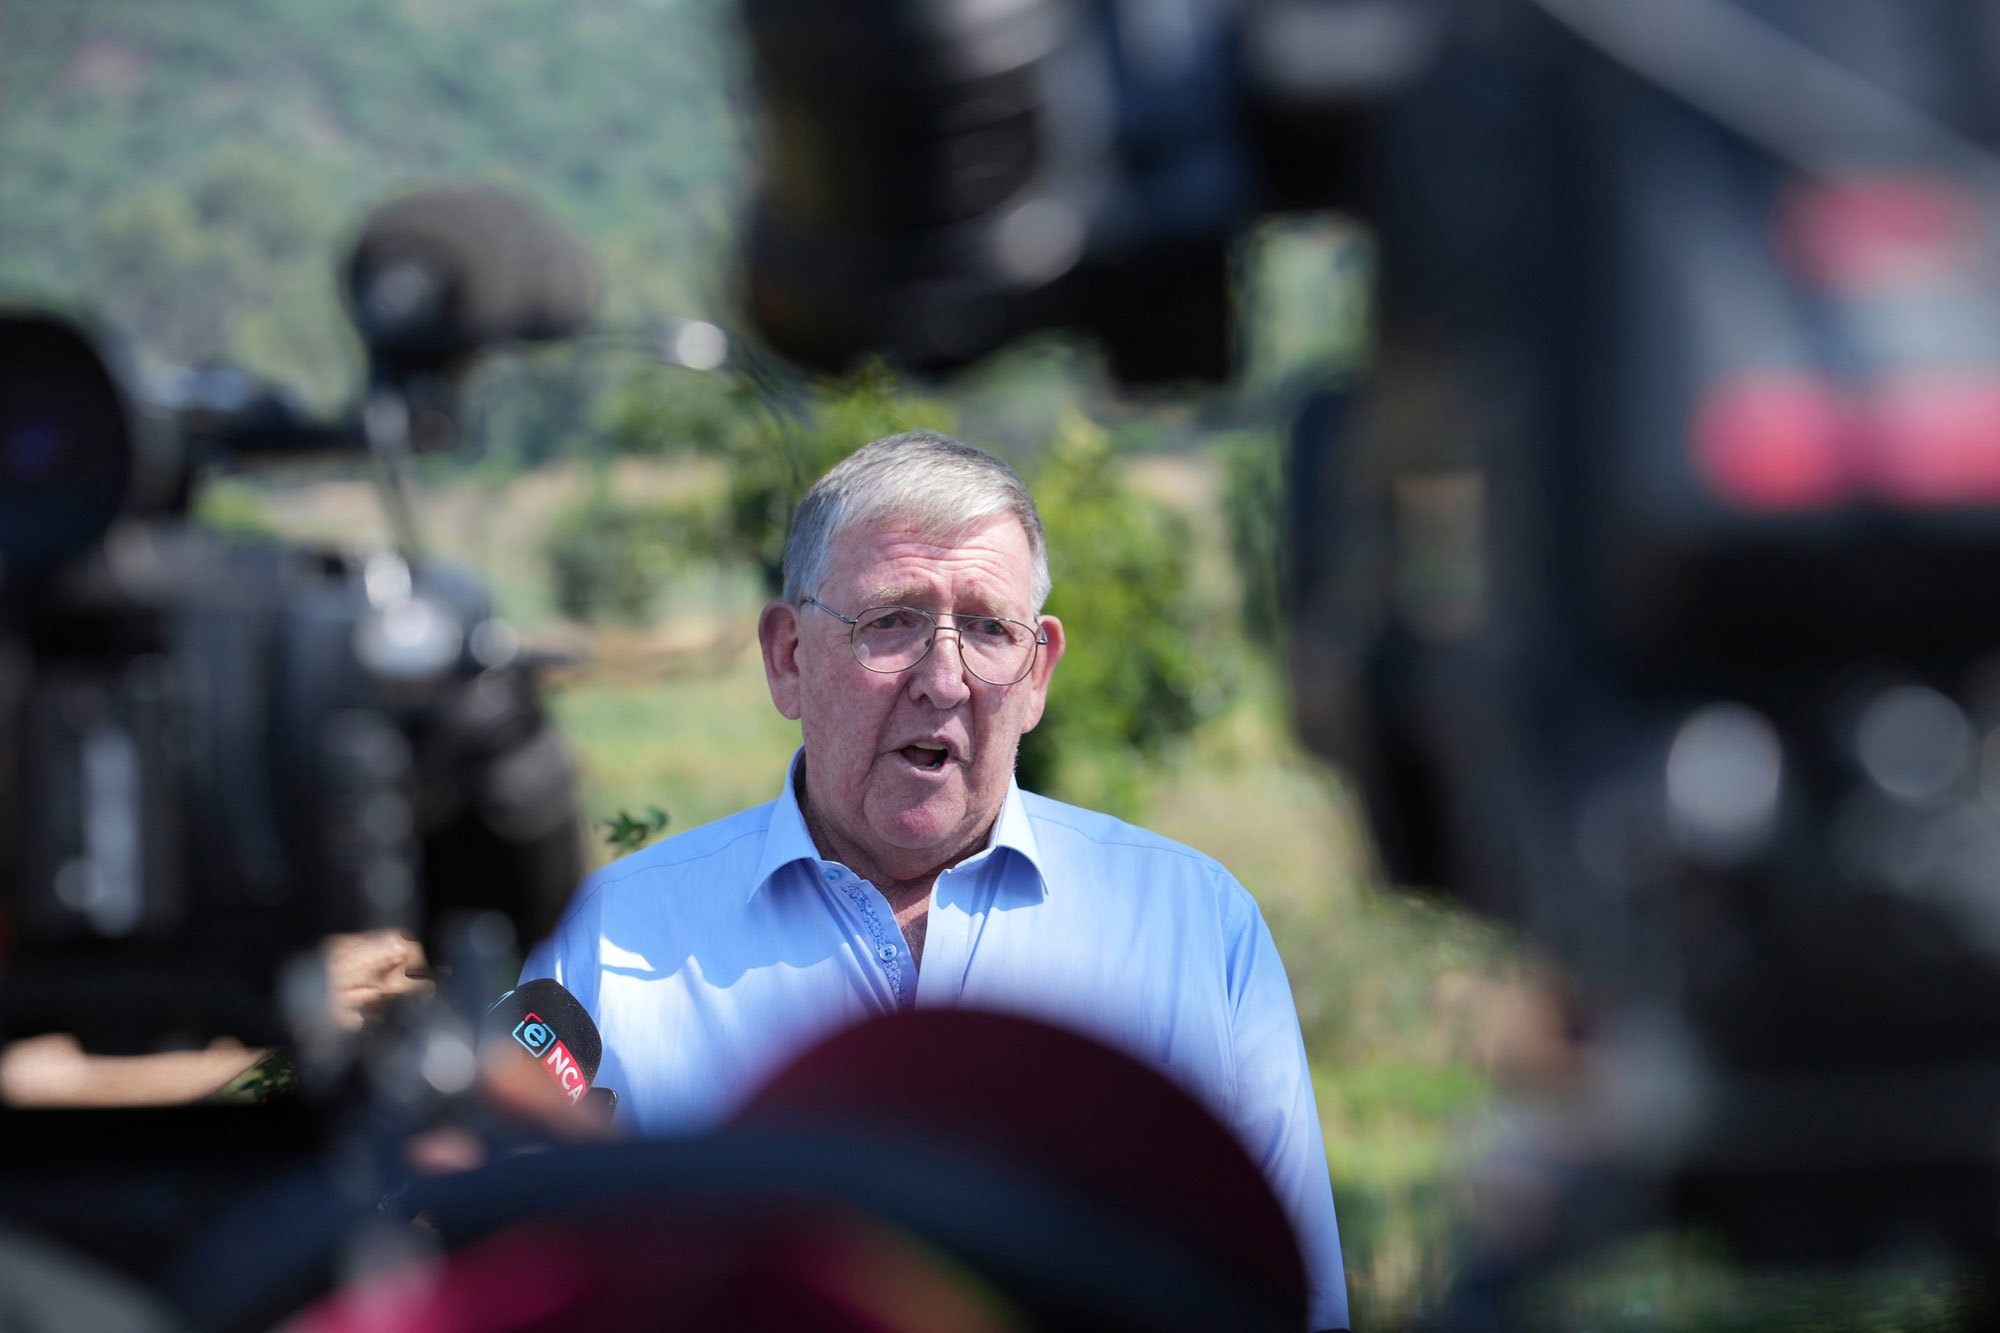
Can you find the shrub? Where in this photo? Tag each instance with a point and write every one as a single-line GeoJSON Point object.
{"type": "Point", "coordinates": [608, 557]}
{"type": "Point", "coordinates": [1144, 663]}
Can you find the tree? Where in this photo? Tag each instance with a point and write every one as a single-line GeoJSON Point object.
{"type": "Point", "coordinates": [1145, 660]}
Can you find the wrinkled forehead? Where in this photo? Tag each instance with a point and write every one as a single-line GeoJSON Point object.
{"type": "Point", "coordinates": [904, 560]}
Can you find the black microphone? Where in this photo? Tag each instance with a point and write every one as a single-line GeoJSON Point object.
{"type": "Point", "coordinates": [546, 1021]}
{"type": "Point", "coordinates": [440, 274]}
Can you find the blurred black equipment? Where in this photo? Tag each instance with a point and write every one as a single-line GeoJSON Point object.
{"type": "Point", "coordinates": [940, 177]}
{"type": "Point", "coordinates": [213, 752]}
{"type": "Point", "coordinates": [1652, 593]}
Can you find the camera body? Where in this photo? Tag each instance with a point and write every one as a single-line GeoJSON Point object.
{"type": "Point", "coordinates": [939, 178]}
{"type": "Point", "coordinates": [1649, 596]}
{"type": "Point", "coordinates": [216, 752]}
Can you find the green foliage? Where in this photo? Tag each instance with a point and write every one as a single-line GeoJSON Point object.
{"type": "Point", "coordinates": [1690, 1280]}
{"type": "Point", "coordinates": [188, 170]}
{"type": "Point", "coordinates": [1376, 1091]}
{"type": "Point", "coordinates": [664, 410]}
{"type": "Point", "coordinates": [1144, 662]}
{"type": "Point", "coordinates": [608, 557]}
{"type": "Point", "coordinates": [274, 1076]}
{"type": "Point", "coordinates": [626, 833]}
{"type": "Point", "coordinates": [235, 267]}
{"type": "Point", "coordinates": [534, 407]}
{"type": "Point", "coordinates": [771, 456]}
{"type": "Point", "coordinates": [1253, 506]}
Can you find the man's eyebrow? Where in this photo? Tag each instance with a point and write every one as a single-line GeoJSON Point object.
{"type": "Point", "coordinates": [977, 602]}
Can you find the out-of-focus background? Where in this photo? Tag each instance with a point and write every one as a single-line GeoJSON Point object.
{"type": "Point", "coordinates": [186, 173]}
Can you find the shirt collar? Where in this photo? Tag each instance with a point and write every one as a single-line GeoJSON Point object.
{"type": "Point", "coordinates": [786, 838]}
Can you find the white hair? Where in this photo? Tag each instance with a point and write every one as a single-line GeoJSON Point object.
{"type": "Point", "coordinates": [939, 485]}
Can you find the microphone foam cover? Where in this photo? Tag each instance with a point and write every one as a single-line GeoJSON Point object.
{"type": "Point", "coordinates": [441, 273]}
{"type": "Point", "coordinates": [537, 1014]}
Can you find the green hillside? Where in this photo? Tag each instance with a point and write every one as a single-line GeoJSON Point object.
{"type": "Point", "coordinates": [186, 169]}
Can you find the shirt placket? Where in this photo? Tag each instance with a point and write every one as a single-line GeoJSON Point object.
{"type": "Point", "coordinates": [885, 938]}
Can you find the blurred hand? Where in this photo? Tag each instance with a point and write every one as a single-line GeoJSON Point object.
{"type": "Point", "coordinates": [515, 1082]}
{"type": "Point", "coordinates": [367, 970]}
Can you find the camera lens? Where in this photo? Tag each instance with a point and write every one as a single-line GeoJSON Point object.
{"type": "Point", "coordinates": [65, 444]}
{"type": "Point", "coordinates": [33, 451]}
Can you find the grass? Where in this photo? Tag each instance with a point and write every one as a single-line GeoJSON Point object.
{"type": "Point", "coordinates": [698, 747]}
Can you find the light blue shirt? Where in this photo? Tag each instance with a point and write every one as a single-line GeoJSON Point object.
{"type": "Point", "coordinates": [711, 957]}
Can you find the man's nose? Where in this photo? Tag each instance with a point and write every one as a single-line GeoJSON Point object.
{"type": "Point", "coordinates": [942, 676]}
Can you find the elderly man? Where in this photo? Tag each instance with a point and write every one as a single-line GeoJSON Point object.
{"type": "Point", "coordinates": [901, 865]}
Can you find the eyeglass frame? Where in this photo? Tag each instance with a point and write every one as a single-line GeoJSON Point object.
{"type": "Point", "coordinates": [853, 624]}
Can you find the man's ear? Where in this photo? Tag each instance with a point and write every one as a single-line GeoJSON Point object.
{"type": "Point", "coordinates": [1046, 658]}
{"type": "Point", "coordinates": [778, 635]}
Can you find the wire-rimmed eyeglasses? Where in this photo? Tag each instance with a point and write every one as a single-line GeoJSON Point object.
{"type": "Point", "coordinates": [889, 639]}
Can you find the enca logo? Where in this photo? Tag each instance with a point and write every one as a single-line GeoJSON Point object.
{"type": "Point", "coordinates": [563, 1069]}
{"type": "Point", "coordinates": [534, 1035]}
{"type": "Point", "coordinates": [539, 1040]}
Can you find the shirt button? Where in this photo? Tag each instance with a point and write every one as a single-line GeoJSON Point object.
{"type": "Point", "coordinates": [887, 953]}
{"type": "Point", "coordinates": [832, 874]}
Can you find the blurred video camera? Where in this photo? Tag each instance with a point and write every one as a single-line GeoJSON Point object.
{"type": "Point", "coordinates": [216, 752]}
{"type": "Point", "coordinates": [1651, 590]}
{"type": "Point", "coordinates": [939, 178]}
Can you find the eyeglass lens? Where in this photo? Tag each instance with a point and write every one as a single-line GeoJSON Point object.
{"type": "Point", "coordinates": [895, 638]}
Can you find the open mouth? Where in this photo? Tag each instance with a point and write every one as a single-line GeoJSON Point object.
{"type": "Point", "coordinates": [923, 755]}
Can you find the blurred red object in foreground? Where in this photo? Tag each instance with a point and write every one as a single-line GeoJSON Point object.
{"type": "Point", "coordinates": [1060, 1115]}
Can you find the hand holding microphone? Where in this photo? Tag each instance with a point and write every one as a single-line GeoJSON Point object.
{"type": "Point", "coordinates": [538, 1058]}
